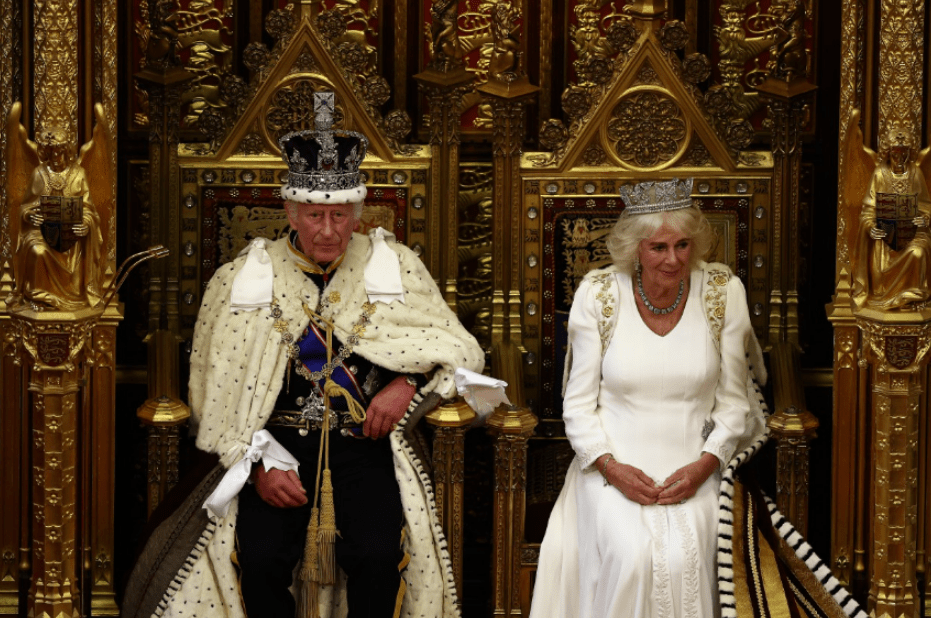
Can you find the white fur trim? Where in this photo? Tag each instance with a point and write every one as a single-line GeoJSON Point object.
{"type": "Point", "coordinates": [305, 196]}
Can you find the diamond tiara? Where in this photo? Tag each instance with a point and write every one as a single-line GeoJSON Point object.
{"type": "Point", "coordinates": [657, 196]}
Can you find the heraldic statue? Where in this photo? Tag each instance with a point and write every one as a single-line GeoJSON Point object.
{"type": "Point", "coordinates": [892, 247]}
{"type": "Point", "coordinates": [59, 210]}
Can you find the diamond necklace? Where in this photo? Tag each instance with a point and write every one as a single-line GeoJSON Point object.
{"type": "Point", "coordinates": [647, 302]}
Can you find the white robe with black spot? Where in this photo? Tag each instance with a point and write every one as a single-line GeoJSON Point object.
{"type": "Point", "coordinates": [238, 366]}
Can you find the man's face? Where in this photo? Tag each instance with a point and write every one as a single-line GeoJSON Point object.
{"type": "Point", "coordinates": [324, 230]}
{"type": "Point", "coordinates": [898, 158]}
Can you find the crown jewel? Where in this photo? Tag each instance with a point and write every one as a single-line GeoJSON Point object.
{"type": "Point", "coordinates": [323, 164]}
{"type": "Point", "coordinates": [657, 196]}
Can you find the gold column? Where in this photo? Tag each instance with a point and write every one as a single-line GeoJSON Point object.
{"type": "Point", "coordinates": [100, 457]}
{"type": "Point", "coordinates": [451, 420]}
{"type": "Point", "coordinates": [851, 457]}
{"type": "Point", "coordinates": [788, 105]}
{"type": "Point", "coordinates": [509, 92]}
{"type": "Point", "coordinates": [511, 428]}
{"type": "Point", "coordinates": [55, 342]}
{"type": "Point", "coordinates": [15, 559]}
{"type": "Point", "coordinates": [897, 350]}
{"type": "Point", "coordinates": [793, 428]}
{"type": "Point", "coordinates": [14, 524]}
{"type": "Point", "coordinates": [163, 414]}
{"type": "Point", "coordinates": [444, 83]}
{"type": "Point", "coordinates": [923, 557]}
{"type": "Point", "coordinates": [164, 80]}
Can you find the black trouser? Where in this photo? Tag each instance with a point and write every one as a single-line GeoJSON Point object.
{"type": "Point", "coordinates": [368, 516]}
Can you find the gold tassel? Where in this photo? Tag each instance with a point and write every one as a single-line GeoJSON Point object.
{"type": "Point", "coordinates": [308, 605]}
{"type": "Point", "coordinates": [326, 537]}
{"type": "Point", "coordinates": [356, 411]}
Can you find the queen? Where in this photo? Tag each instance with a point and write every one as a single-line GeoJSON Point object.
{"type": "Point", "coordinates": [655, 406]}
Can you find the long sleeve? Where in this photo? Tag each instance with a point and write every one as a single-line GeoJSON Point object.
{"type": "Point", "coordinates": [583, 426]}
{"type": "Point", "coordinates": [730, 402]}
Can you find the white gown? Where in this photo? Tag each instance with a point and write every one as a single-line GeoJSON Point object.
{"type": "Point", "coordinates": [647, 402]}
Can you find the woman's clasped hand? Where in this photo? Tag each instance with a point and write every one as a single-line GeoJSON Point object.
{"type": "Point", "coordinates": [640, 488]}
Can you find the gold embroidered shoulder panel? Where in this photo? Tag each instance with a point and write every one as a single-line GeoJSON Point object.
{"type": "Point", "coordinates": [716, 300]}
{"type": "Point", "coordinates": [604, 296]}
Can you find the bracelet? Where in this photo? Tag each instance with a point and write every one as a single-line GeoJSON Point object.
{"type": "Point", "coordinates": [604, 470]}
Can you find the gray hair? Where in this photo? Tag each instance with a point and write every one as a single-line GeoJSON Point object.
{"type": "Point", "coordinates": [630, 229]}
{"type": "Point", "coordinates": [356, 208]}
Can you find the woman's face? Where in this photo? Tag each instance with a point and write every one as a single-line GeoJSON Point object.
{"type": "Point", "coordinates": [665, 256]}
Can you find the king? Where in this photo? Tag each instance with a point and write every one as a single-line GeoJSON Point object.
{"type": "Point", "coordinates": [312, 357]}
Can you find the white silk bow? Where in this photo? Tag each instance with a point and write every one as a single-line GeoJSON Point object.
{"type": "Point", "coordinates": [264, 447]}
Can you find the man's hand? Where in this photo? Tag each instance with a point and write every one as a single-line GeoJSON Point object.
{"type": "Point", "coordinates": [35, 215]}
{"type": "Point", "coordinates": [279, 487]}
{"type": "Point", "coordinates": [80, 229]}
{"type": "Point", "coordinates": [631, 481]}
{"type": "Point", "coordinates": [684, 482]}
{"type": "Point", "coordinates": [388, 407]}
{"type": "Point", "coordinates": [922, 221]}
{"type": "Point", "coordinates": [877, 233]}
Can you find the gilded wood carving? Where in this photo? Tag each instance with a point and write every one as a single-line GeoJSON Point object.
{"type": "Point", "coordinates": [62, 207]}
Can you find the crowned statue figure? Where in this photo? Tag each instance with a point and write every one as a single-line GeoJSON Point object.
{"type": "Point", "coordinates": [893, 245]}
{"type": "Point", "coordinates": [60, 253]}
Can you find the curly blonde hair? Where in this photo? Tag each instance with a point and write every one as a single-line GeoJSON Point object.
{"type": "Point", "coordinates": [630, 229]}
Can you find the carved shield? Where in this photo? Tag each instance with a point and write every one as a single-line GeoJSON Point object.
{"type": "Point", "coordinates": [53, 349]}
{"type": "Point", "coordinates": [901, 350]}
{"type": "Point", "coordinates": [61, 214]}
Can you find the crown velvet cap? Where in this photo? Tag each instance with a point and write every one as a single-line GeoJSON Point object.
{"type": "Point", "coordinates": [657, 196]}
{"type": "Point", "coordinates": [323, 164]}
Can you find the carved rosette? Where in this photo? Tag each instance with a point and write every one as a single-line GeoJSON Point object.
{"type": "Point", "coordinates": [696, 68]}
{"type": "Point", "coordinates": [594, 155]}
{"type": "Point", "coordinates": [649, 130]}
{"type": "Point", "coordinates": [576, 101]}
{"type": "Point", "coordinates": [376, 90]}
{"type": "Point", "coordinates": [696, 155]}
{"type": "Point", "coordinates": [256, 57]}
{"type": "Point", "coordinates": [281, 24]}
{"type": "Point", "coordinates": [351, 56]}
{"type": "Point", "coordinates": [596, 71]}
{"type": "Point", "coordinates": [253, 144]}
{"type": "Point", "coordinates": [674, 35]}
{"type": "Point", "coordinates": [622, 35]}
{"type": "Point", "coordinates": [331, 24]}
{"type": "Point", "coordinates": [553, 135]}
{"type": "Point", "coordinates": [235, 92]}
{"type": "Point", "coordinates": [398, 124]}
